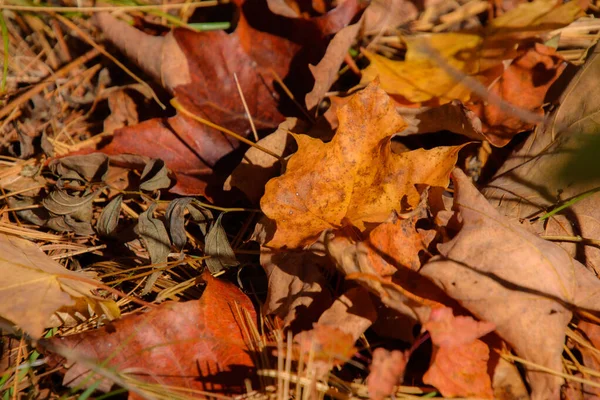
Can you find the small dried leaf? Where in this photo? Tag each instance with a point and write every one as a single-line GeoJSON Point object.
{"type": "Point", "coordinates": [155, 176]}
{"type": "Point", "coordinates": [154, 236]}
{"type": "Point", "coordinates": [89, 167]}
{"type": "Point", "coordinates": [65, 223]}
{"type": "Point", "coordinates": [60, 202]}
{"type": "Point", "coordinates": [218, 248]}
{"type": "Point", "coordinates": [176, 221]}
{"type": "Point", "coordinates": [36, 216]}
{"type": "Point", "coordinates": [109, 218]}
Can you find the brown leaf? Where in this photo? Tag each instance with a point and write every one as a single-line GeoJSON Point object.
{"type": "Point", "coordinates": [298, 292]}
{"type": "Point", "coordinates": [38, 286]}
{"type": "Point", "coordinates": [531, 180]}
{"type": "Point", "coordinates": [335, 184]}
{"type": "Point", "coordinates": [109, 218]}
{"type": "Point", "coordinates": [257, 167]}
{"type": "Point", "coordinates": [197, 345]}
{"type": "Point", "coordinates": [591, 358]}
{"type": "Point", "coordinates": [525, 285]}
{"type": "Point", "coordinates": [523, 84]}
{"type": "Point", "coordinates": [184, 62]}
{"type": "Point", "coordinates": [326, 71]}
{"type": "Point", "coordinates": [123, 111]}
{"type": "Point", "coordinates": [218, 249]}
{"type": "Point", "coordinates": [386, 372]}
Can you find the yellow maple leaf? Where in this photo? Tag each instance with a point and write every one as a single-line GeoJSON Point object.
{"type": "Point", "coordinates": [355, 179]}
{"type": "Point", "coordinates": [419, 78]}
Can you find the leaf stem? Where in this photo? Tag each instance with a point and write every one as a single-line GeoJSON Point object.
{"type": "Point", "coordinates": [569, 203]}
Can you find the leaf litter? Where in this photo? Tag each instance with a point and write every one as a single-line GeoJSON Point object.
{"type": "Point", "coordinates": [378, 268]}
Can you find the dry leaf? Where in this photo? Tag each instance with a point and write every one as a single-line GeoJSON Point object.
{"type": "Point", "coordinates": [525, 285]}
{"type": "Point", "coordinates": [262, 46]}
{"type": "Point", "coordinates": [38, 286]}
{"type": "Point", "coordinates": [298, 292]}
{"type": "Point", "coordinates": [386, 372]}
{"type": "Point", "coordinates": [176, 220]}
{"type": "Point", "coordinates": [218, 249]}
{"type": "Point", "coordinates": [109, 218]}
{"type": "Point", "coordinates": [353, 180]}
{"type": "Point", "coordinates": [532, 180]}
{"type": "Point", "coordinates": [196, 345]}
{"type": "Point", "coordinates": [460, 361]}
{"type": "Point", "coordinates": [420, 79]}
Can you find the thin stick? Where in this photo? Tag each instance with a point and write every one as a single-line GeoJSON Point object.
{"type": "Point", "coordinates": [290, 94]}
{"type": "Point", "coordinates": [208, 3]}
{"type": "Point", "coordinates": [179, 107]}
{"type": "Point", "coordinates": [99, 48]}
{"type": "Point", "coordinates": [22, 99]}
{"type": "Point", "coordinates": [246, 107]}
{"type": "Point", "coordinates": [78, 252]}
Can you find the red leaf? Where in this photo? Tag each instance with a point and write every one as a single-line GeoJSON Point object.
{"type": "Point", "coordinates": [195, 345]}
{"type": "Point", "coordinates": [199, 68]}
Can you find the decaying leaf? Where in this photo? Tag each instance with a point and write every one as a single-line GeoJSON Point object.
{"type": "Point", "coordinates": [386, 372]}
{"type": "Point", "coordinates": [419, 78]}
{"type": "Point", "coordinates": [353, 180]}
{"type": "Point", "coordinates": [218, 249]}
{"type": "Point", "coordinates": [175, 217]}
{"type": "Point", "coordinates": [79, 207]}
{"type": "Point", "coordinates": [542, 173]}
{"type": "Point", "coordinates": [155, 176]}
{"type": "Point", "coordinates": [38, 286]}
{"type": "Point", "coordinates": [109, 217]}
{"type": "Point", "coordinates": [459, 362]}
{"type": "Point", "coordinates": [196, 345]}
{"type": "Point", "coordinates": [504, 274]}
{"type": "Point", "coordinates": [154, 236]}
{"type": "Point", "coordinates": [88, 168]}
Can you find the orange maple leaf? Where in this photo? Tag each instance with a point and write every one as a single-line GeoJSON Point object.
{"type": "Point", "coordinates": [355, 179]}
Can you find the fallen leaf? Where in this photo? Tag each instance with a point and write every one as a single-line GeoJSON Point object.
{"type": "Point", "coordinates": [85, 168]}
{"type": "Point", "coordinates": [257, 167]}
{"type": "Point", "coordinates": [506, 275]}
{"type": "Point", "coordinates": [259, 48]}
{"type": "Point", "coordinates": [523, 84]}
{"type": "Point", "coordinates": [196, 345]}
{"type": "Point", "coordinates": [109, 217]}
{"type": "Point", "coordinates": [155, 176]}
{"type": "Point", "coordinates": [218, 249]}
{"type": "Point", "coordinates": [386, 372]}
{"type": "Point", "coordinates": [326, 71]}
{"type": "Point", "coordinates": [38, 286]}
{"type": "Point", "coordinates": [384, 15]}
{"type": "Point", "coordinates": [298, 291]}
{"type": "Point", "coordinates": [459, 362]}
{"type": "Point", "coordinates": [532, 180]}
{"type": "Point", "coordinates": [123, 111]}
{"type": "Point", "coordinates": [419, 78]}
{"type": "Point", "coordinates": [316, 191]}
{"type": "Point", "coordinates": [327, 343]}
{"type": "Point", "coordinates": [154, 236]}
{"type": "Point", "coordinates": [175, 218]}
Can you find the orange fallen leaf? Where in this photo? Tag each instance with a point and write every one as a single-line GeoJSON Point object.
{"type": "Point", "coordinates": [353, 180]}
{"type": "Point", "coordinates": [459, 362]}
{"type": "Point", "coordinates": [196, 345]}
